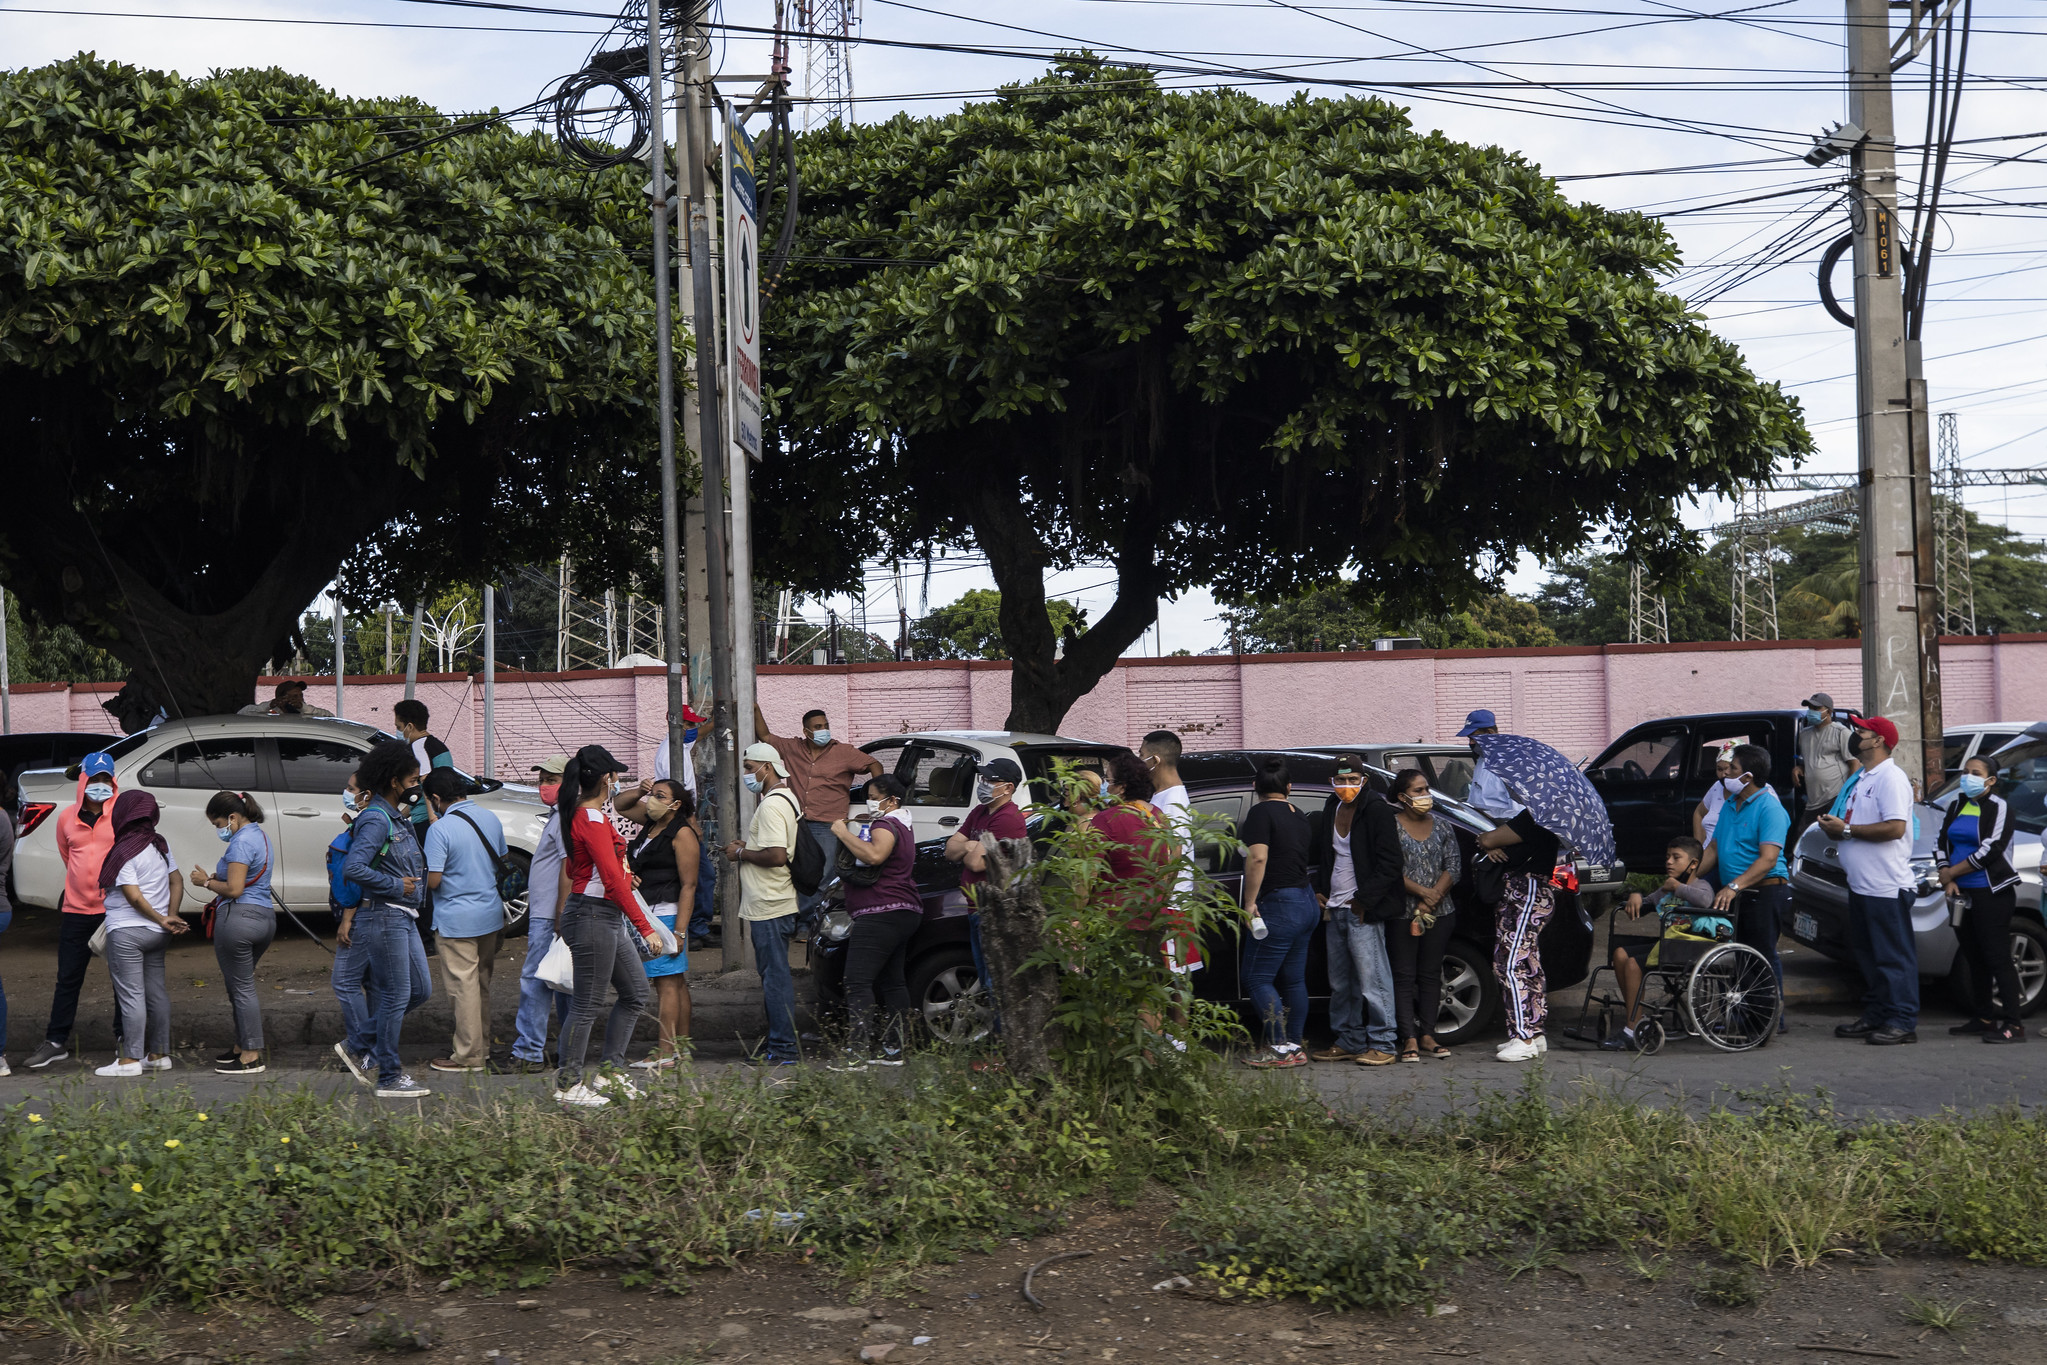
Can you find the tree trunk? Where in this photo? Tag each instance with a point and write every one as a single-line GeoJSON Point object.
{"type": "Point", "coordinates": [1012, 931]}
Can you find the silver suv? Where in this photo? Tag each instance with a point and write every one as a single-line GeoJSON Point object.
{"type": "Point", "coordinates": [295, 766]}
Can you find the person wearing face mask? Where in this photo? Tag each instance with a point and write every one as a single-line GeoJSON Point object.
{"type": "Point", "coordinates": [1746, 858]}
{"type": "Point", "coordinates": [1430, 864]}
{"type": "Point", "coordinates": [544, 895]}
{"type": "Point", "coordinates": [995, 813]}
{"type": "Point", "coordinates": [1825, 758]}
{"type": "Point", "coordinates": [350, 976]}
{"type": "Point", "coordinates": [703, 919]}
{"type": "Point", "coordinates": [462, 848]}
{"type": "Point", "coordinates": [244, 920]}
{"type": "Point", "coordinates": [601, 911]}
{"type": "Point", "coordinates": [141, 886]}
{"type": "Point", "coordinates": [1706, 814]}
{"type": "Point", "coordinates": [663, 860]}
{"type": "Point", "coordinates": [384, 859]}
{"type": "Point", "coordinates": [1973, 855]}
{"type": "Point", "coordinates": [886, 912]}
{"type": "Point", "coordinates": [1363, 848]}
{"type": "Point", "coordinates": [1161, 754]}
{"type": "Point", "coordinates": [1488, 792]}
{"type": "Point", "coordinates": [819, 769]}
{"type": "Point", "coordinates": [1874, 842]}
{"type": "Point", "coordinates": [767, 895]}
{"type": "Point", "coordinates": [84, 836]}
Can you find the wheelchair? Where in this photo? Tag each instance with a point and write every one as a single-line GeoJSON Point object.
{"type": "Point", "coordinates": [1722, 992]}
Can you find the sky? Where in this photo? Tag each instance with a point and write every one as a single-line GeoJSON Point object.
{"type": "Point", "coordinates": [1677, 109]}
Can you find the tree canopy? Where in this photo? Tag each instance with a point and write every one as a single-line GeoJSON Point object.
{"type": "Point", "coordinates": [1212, 340]}
{"type": "Point", "coordinates": [250, 329]}
{"type": "Point", "coordinates": [1331, 618]}
{"type": "Point", "coordinates": [971, 627]}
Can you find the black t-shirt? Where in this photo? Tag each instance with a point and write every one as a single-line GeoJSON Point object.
{"type": "Point", "coordinates": [1537, 851]}
{"type": "Point", "coordinates": [1284, 832]}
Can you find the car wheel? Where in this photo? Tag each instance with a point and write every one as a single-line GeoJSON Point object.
{"type": "Point", "coordinates": [947, 992]}
{"type": "Point", "coordinates": [2028, 955]}
{"type": "Point", "coordinates": [1471, 998]}
{"type": "Point", "coordinates": [515, 908]}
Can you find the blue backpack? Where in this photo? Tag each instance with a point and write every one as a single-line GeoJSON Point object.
{"type": "Point", "coordinates": [343, 894]}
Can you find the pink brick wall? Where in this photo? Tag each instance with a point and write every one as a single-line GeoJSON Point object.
{"type": "Point", "coordinates": [1577, 699]}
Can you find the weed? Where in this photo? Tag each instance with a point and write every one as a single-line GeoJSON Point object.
{"type": "Point", "coordinates": [1949, 1315]}
{"type": "Point", "coordinates": [1650, 1268]}
{"type": "Point", "coordinates": [1729, 1286]}
{"type": "Point", "coordinates": [1537, 1257]}
{"type": "Point", "coordinates": [388, 1331]}
{"type": "Point", "coordinates": [107, 1334]}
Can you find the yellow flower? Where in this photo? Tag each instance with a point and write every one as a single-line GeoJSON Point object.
{"type": "Point", "coordinates": [284, 1140]}
{"type": "Point", "coordinates": [170, 1142]}
{"type": "Point", "coordinates": [202, 1118]}
{"type": "Point", "coordinates": [35, 1118]}
{"type": "Point", "coordinates": [136, 1188]}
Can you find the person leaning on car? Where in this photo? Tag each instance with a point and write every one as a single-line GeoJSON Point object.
{"type": "Point", "coordinates": [1826, 756]}
{"type": "Point", "coordinates": [1876, 852]}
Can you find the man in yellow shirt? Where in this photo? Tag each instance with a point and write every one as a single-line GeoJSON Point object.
{"type": "Point", "coordinates": [767, 894]}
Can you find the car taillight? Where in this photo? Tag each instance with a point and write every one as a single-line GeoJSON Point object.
{"type": "Point", "coordinates": [33, 813]}
{"type": "Point", "coordinates": [1564, 878]}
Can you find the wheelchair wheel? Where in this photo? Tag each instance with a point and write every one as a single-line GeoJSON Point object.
{"type": "Point", "coordinates": [1649, 1036]}
{"type": "Point", "coordinates": [1732, 998]}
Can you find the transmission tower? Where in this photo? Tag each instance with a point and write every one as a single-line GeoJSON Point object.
{"type": "Point", "coordinates": [1753, 585]}
{"type": "Point", "coordinates": [1951, 536]}
{"type": "Point", "coordinates": [829, 29]}
{"type": "Point", "coordinates": [1648, 615]}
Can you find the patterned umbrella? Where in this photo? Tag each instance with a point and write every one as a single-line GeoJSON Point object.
{"type": "Point", "coordinates": [1555, 792]}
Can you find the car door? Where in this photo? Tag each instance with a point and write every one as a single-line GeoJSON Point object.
{"type": "Point", "coordinates": [940, 777]}
{"type": "Point", "coordinates": [311, 775]}
{"type": "Point", "coordinates": [183, 778]}
{"type": "Point", "coordinates": [1221, 977]}
{"type": "Point", "coordinates": [1641, 778]}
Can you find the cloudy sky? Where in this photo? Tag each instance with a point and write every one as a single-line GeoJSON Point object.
{"type": "Point", "coordinates": [1651, 104]}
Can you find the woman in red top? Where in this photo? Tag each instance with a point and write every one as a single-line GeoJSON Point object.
{"type": "Point", "coordinates": [593, 922]}
{"type": "Point", "coordinates": [1137, 851]}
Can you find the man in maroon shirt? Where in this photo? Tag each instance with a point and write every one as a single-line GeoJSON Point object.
{"type": "Point", "coordinates": [821, 773]}
{"type": "Point", "coordinates": [997, 814]}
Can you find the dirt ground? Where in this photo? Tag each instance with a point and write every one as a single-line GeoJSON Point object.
{"type": "Point", "coordinates": [1595, 1308]}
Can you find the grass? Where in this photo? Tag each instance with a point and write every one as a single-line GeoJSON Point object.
{"type": "Point", "coordinates": [1948, 1315]}
{"type": "Point", "coordinates": [282, 1198]}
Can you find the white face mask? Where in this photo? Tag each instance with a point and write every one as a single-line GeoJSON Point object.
{"type": "Point", "coordinates": [984, 792]}
{"type": "Point", "coordinates": [753, 784]}
{"type": "Point", "coordinates": [99, 791]}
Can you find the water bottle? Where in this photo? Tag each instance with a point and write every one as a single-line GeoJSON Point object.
{"type": "Point", "coordinates": [1258, 929]}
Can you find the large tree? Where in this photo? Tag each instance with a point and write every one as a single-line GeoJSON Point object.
{"type": "Point", "coordinates": [250, 329]}
{"type": "Point", "coordinates": [1212, 340]}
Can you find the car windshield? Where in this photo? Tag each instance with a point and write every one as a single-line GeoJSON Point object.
{"type": "Point", "coordinates": [2021, 781]}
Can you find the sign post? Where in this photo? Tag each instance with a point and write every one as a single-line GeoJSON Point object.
{"type": "Point", "coordinates": [742, 288]}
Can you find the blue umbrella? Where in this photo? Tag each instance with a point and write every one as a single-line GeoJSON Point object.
{"type": "Point", "coordinates": [1555, 792]}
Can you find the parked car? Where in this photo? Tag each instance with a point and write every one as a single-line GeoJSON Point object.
{"type": "Point", "coordinates": [295, 766]}
{"type": "Point", "coordinates": [43, 749]}
{"type": "Point", "coordinates": [1819, 908]}
{"type": "Point", "coordinates": [946, 991]}
{"type": "Point", "coordinates": [1960, 743]}
{"type": "Point", "coordinates": [938, 768]}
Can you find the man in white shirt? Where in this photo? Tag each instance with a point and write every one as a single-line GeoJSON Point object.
{"type": "Point", "coordinates": [1706, 814]}
{"type": "Point", "coordinates": [1875, 843]}
{"type": "Point", "coordinates": [1161, 754]}
{"type": "Point", "coordinates": [1488, 793]}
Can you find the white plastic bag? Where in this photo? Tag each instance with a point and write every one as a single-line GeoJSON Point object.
{"type": "Point", "coordinates": [558, 968]}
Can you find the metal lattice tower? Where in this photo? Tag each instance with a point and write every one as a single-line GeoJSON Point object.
{"type": "Point", "coordinates": [1648, 614]}
{"type": "Point", "coordinates": [829, 29]}
{"type": "Point", "coordinates": [1951, 535]}
{"type": "Point", "coordinates": [597, 632]}
{"type": "Point", "coordinates": [1753, 584]}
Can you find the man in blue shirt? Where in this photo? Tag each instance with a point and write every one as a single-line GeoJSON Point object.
{"type": "Point", "coordinates": [462, 849]}
{"type": "Point", "coordinates": [1748, 854]}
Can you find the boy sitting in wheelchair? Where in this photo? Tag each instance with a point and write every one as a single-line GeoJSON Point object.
{"type": "Point", "coordinates": [1684, 904]}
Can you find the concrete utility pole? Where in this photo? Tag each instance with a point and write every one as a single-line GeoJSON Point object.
{"type": "Point", "coordinates": [340, 665]}
{"type": "Point", "coordinates": [412, 653]}
{"type": "Point", "coordinates": [490, 680]}
{"type": "Point", "coordinates": [1900, 675]}
{"type": "Point", "coordinates": [671, 531]}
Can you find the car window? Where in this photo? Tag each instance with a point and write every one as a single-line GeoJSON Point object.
{"type": "Point", "coordinates": [206, 765]}
{"type": "Point", "coordinates": [1654, 757]}
{"type": "Point", "coordinates": [1208, 854]}
{"type": "Point", "coordinates": [1953, 749]}
{"type": "Point", "coordinates": [317, 766]}
{"type": "Point", "coordinates": [1708, 741]}
{"type": "Point", "coordinates": [1450, 774]}
{"type": "Point", "coordinates": [1993, 742]}
{"type": "Point", "coordinates": [1038, 760]}
{"type": "Point", "coordinates": [941, 775]}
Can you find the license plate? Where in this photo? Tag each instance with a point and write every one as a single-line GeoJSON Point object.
{"type": "Point", "coordinates": [1804, 927]}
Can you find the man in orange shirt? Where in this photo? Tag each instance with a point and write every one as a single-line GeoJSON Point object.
{"type": "Point", "coordinates": [85, 834]}
{"type": "Point", "coordinates": [821, 773]}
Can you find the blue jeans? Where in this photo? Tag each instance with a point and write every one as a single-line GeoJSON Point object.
{"type": "Point", "coordinates": [981, 970]}
{"type": "Point", "coordinates": [1276, 966]}
{"type": "Point", "coordinates": [703, 916]}
{"type": "Point", "coordinates": [778, 989]}
{"type": "Point", "coordinates": [385, 959]}
{"type": "Point", "coordinates": [6, 919]}
{"type": "Point", "coordinates": [1360, 984]}
{"type": "Point", "coordinates": [1880, 935]}
{"type": "Point", "coordinates": [536, 997]}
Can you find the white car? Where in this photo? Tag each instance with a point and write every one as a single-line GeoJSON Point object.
{"type": "Point", "coordinates": [938, 767]}
{"type": "Point", "coordinates": [295, 766]}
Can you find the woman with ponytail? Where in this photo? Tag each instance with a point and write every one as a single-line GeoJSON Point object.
{"type": "Point", "coordinates": [244, 920]}
{"type": "Point", "coordinates": [140, 883]}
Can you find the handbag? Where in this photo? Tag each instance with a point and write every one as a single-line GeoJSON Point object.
{"type": "Point", "coordinates": [646, 950]}
{"type": "Point", "coordinates": [511, 877]}
{"type": "Point", "coordinates": [98, 942]}
{"type": "Point", "coordinates": [557, 968]}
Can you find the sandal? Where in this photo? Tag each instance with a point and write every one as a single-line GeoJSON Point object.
{"type": "Point", "coordinates": [1434, 1048]}
{"type": "Point", "coordinates": [1409, 1054]}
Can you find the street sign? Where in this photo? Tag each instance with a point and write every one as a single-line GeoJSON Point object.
{"type": "Point", "coordinates": [742, 288]}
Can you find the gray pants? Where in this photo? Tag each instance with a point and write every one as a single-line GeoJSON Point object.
{"type": "Point", "coordinates": [596, 931]}
{"type": "Point", "coordinates": [241, 933]}
{"type": "Point", "coordinates": [135, 961]}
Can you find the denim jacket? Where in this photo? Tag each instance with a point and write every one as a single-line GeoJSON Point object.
{"type": "Point", "coordinates": [382, 884]}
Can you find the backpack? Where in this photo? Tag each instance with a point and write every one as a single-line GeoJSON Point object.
{"type": "Point", "coordinates": [807, 865]}
{"type": "Point", "coordinates": [343, 894]}
{"type": "Point", "coordinates": [511, 876]}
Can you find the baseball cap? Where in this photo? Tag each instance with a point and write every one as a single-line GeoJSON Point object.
{"type": "Point", "coordinates": [1348, 765]}
{"type": "Point", "coordinates": [552, 764]}
{"type": "Point", "coordinates": [595, 758]}
{"type": "Point", "coordinates": [291, 685]}
{"type": "Point", "coordinates": [765, 753]}
{"type": "Point", "coordinates": [1878, 726]}
{"type": "Point", "coordinates": [97, 765]}
{"type": "Point", "coordinates": [1820, 700]}
{"type": "Point", "coordinates": [1477, 720]}
{"type": "Point", "coordinates": [1001, 770]}
{"type": "Point", "coordinates": [689, 714]}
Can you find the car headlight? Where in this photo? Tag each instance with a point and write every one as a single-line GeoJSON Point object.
{"type": "Point", "coordinates": [837, 926]}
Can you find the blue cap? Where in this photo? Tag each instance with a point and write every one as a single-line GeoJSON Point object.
{"type": "Point", "coordinates": [97, 765]}
{"type": "Point", "coordinates": [1477, 720]}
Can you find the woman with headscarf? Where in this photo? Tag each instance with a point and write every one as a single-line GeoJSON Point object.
{"type": "Point", "coordinates": [142, 890]}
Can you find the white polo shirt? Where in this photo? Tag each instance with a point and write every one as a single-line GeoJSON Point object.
{"type": "Point", "coordinates": [1879, 868]}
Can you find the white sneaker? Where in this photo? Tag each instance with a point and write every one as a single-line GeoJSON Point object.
{"type": "Point", "coordinates": [615, 1086]}
{"type": "Point", "coordinates": [119, 1069]}
{"type": "Point", "coordinates": [156, 1063]}
{"type": "Point", "coordinates": [1541, 1043]}
{"type": "Point", "coordinates": [356, 1065]}
{"type": "Point", "coordinates": [582, 1096]}
{"type": "Point", "coordinates": [1518, 1050]}
{"type": "Point", "coordinates": [5, 1070]}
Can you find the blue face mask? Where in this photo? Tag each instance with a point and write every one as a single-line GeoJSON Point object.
{"type": "Point", "coordinates": [1973, 785]}
{"type": "Point", "coordinates": [349, 800]}
{"type": "Point", "coordinates": [1813, 717]}
{"type": "Point", "coordinates": [820, 737]}
{"type": "Point", "coordinates": [225, 833]}
{"type": "Point", "coordinates": [753, 784]}
{"type": "Point", "coordinates": [689, 736]}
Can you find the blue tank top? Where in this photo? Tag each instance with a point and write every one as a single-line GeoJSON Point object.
{"type": "Point", "coordinates": [1964, 837]}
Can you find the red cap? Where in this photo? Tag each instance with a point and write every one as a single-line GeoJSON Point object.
{"type": "Point", "coordinates": [1878, 726]}
{"type": "Point", "coordinates": [692, 717]}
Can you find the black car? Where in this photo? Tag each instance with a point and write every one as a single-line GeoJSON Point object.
{"type": "Point", "coordinates": [945, 989]}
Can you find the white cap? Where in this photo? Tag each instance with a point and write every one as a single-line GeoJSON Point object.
{"type": "Point", "coordinates": [765, 753]}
